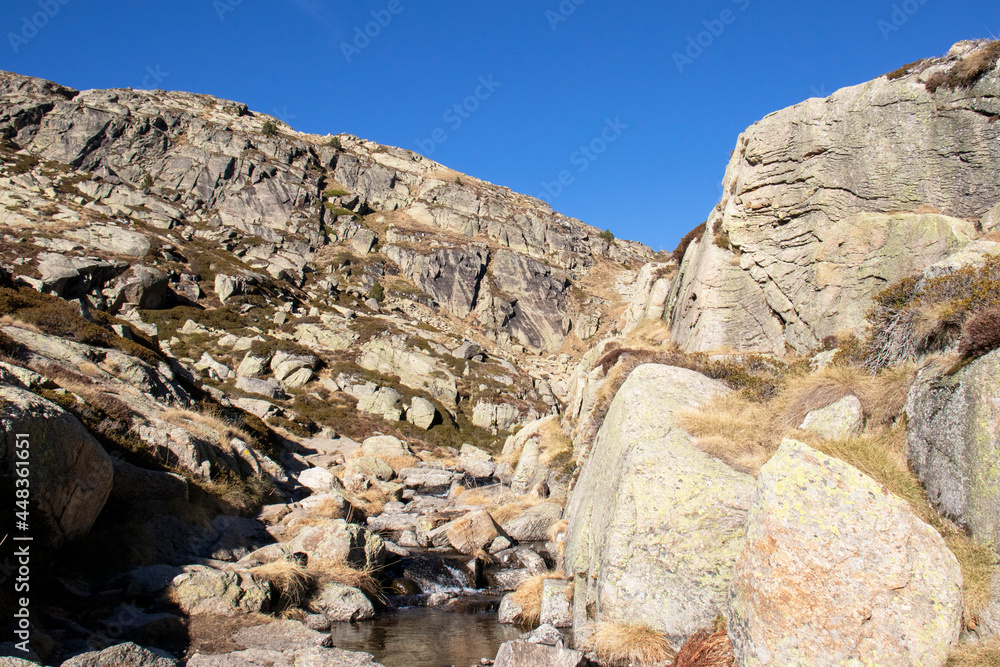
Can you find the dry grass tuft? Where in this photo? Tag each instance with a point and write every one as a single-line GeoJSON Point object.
{"type": "Point", "coordinates": [209, 426]}
{"type": "Point", "coordinates": [705, 649]}
{"type": "Point", "coordinates": [629, 644]}
{"type": "Point", "coordinates": [397, 463]}
{"type": "Point", "coordinates": [290, 581]}
{"type": "Point", "coordinates": [981, 334]}
{"type": "Point", "coordinates": [371, 501]}
{"type": "Point", "coordinates": [529, 596]}
{"type": "Point", "coordinates": [986, 654]}
{"type": "Point", "coordinates": [328, 571]}
{"type": "Point", "coordinates": [329, 509]}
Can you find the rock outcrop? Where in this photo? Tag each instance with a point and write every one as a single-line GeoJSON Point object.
{"type": "Point", "coordinates": [655, 525]}
{"type": "Point", "coordinates": [836, 570]}
{"type": "Point", "coordinates": [827, 202]}
{"type": "Point", "coordinates": [70, 474]}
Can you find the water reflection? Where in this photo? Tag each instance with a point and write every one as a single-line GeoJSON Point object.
{"type": "Point", "coordinates": [425, 638]}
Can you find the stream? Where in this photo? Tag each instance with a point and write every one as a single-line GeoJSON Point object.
{"type": "Point", "coordinates": [426, 637]}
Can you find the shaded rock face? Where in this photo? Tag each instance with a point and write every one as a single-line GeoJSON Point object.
{"type": "Point", "coordinates": [536, 298]}
{"type": "Point", "coordinates": [655, 524]}
{"type": "Point", "coordinates": [954, 443]}
{"type": "Point", "coordinates": [452, 277]}
{"type": "Point", "coordinates": [70, 473]}
{"type": "Point", "coordinates": [823, 206]}
{"type": "Point", "coordinates": [836, 570]}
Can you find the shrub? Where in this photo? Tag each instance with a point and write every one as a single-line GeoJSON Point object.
{"type": "Point", "coordinates": [981, 334]}
{"type": "Point", "coordinates": [904, 70]}
{"type": "Point", "coordinates": [607, 235]}
{"type": "Point", "coordinates": [688, 239]}
{"type": "Point", "coordinates": [913, 317]}
{"type": "Point", "coordinates": [967, 71]}
{"type": "Point", "coordinates": [706, 649]}
{"type": "Point", "coordinates": [377, 292]}
{"type": "Point", "coordinates": [458, 180]}
{"type": "Point", "coordinates": [334, 142]}
{"type": "Point", "coordinates": [269, 129]}
{"type": "Point", "coordinates": [335, 192]}
{"type": "Point", "coordinates": [147, 182]}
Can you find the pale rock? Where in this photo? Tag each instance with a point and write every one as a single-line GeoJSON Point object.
{"type": "Point", "coordinates": [557, 605]}
{"type": "Point", "coordinates": [526, 654]}
{"type": "Point", "coordinates": [220, 593]}
{"type": "Point", "coordinates": [838, 420]}
{"type": "Point", "coordinates": [836, 570]}
{"type": "Point", "coordinates": [655, 525]}
{"type": "Point", "coordinates": [421, 413]}
{"type": "Point", "coordinates": [475, 531]}
{"type": "Point", "coordinates": [317, 480]}
{"type": "Point", "coordinates": [342, 604]}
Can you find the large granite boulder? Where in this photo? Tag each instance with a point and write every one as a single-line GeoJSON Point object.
{"type": "Point", "coordinates": [954, 445]}
{"type": "Point", "coordinates": [655, 525]}
{"type": "Point", "coordinates": [954, 442]}
{"type": "Point", "coordinates": [69, 473]}
{"type": "Point", "coordinates": [838, 571]}
{"type": "Point", "coordinates": [828, 201]}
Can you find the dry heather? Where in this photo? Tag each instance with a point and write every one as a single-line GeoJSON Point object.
{"type": "Point", "coordinates": [706, 649]}
{"type": "Point", "coordinates": [623, 644]}
{"type": "Point", "coordinates": [982, 334]}
{"type": "Point", "coordinates": [209, 426]}
{"type": "Point", "coordinates": [967, 71]}
{"type": "Point", "coordinates": [911, 318]}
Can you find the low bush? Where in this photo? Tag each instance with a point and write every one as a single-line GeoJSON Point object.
{"type": "Point", "coordinates": [269, 129]}
{"type": "Point", "coordinates": [981, 334]}
{"type": "Point", "coordinates": [914, 317]}
{"type": "Point", "coordinates": [706, 649]}
{"type": "Point", "coordinates": [904, 70]}
{"type": "Point", "coordinates": [689, 238]}
{"type": "Point", "coordinates": [607, 235]}
{"type": "Point", "coordinates": [967, 71]}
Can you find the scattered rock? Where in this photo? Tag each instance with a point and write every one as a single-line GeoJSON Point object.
{"type": "Point", "coordinates": [421, 413]}
{"type": "Point", "coordinates": [526, 654]}
{"type": "Point", "coordinates": [837, 420]}
{"type": "Point", "coordinates": [342, 604]}
{"type": "Point", "coordinates": [217, 592]}
{"type": "Point", "coordinates": [123, 655]}
{"type": "Point", "coordinates": [475, 531]}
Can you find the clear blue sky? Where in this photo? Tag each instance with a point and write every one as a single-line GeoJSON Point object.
{"type": "Point", "coordinates": [560, 81]}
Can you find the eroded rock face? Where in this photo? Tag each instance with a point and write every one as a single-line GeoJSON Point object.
{"type": "Point", "coordinates": [655, 524]}
{"type": "Point", "coordinates": [836, 570]}
{"type": "Point", "coordinates": [70, 473]}
{"type": "Point", "coordinates": [824, 205]}
{"type": "Point", "coordinates": [954, 443]}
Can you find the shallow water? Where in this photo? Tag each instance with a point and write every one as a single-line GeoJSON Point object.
{"type": "Point", "coordinates": [423, 637]}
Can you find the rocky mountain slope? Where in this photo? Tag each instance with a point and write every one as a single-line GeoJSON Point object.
{"type": "Point", "coordinates": [276, 382]}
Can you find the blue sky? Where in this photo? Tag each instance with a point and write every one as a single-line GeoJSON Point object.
{"type": "Point", "coordinates": [590, 90]}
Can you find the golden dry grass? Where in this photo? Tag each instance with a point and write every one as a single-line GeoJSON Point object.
{"type": "Point", "coordinates": [292, 582]}
{"type": "Point", "coordinates": [328, 571]}
{"type": "Point", "coordinates": [207, 425]}
{"type": "Point", "coordinates": [329, 508]}
{"type": "Point", "coordinates": [629, 644]}
{"type": "Point", "coordinates": [397, 463]}
{"type": "Point", "coordinates": [745, 433]}
{"type": "Point", "coordinates": [986, 654]}
{"type": "Point", "coordinates": [529, 596]}
{"type": "Point", "coordinates": [706, 649]}
{"type": "Point", "coordinates": [371, 501]}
